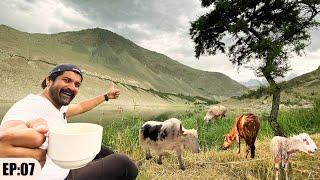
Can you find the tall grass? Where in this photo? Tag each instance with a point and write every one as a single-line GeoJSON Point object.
{"type": "Point", "coordinates": [211, 135]}
{"type": "Point", "coordinates": [122, 136]}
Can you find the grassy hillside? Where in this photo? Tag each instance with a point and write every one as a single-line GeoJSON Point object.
{"type": "Point", "coordinates": [103, 55]}
{"type": "Point", "coordinates": [307, 84]}
{"type": "Point", "coordinates": [309, 79]}
{"type": "Point", "coordinates": [299, 91]}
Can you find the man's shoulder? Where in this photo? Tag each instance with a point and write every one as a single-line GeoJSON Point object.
{"type": "Point", "coordinates": [23, 109]}
{"type": "Point", "coordinates": [30, 100]}
{"type": "Point", "coordinates": [32, 97]}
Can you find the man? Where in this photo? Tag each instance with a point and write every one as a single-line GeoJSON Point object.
{"type": "Point", "coordinates": [35, 113]}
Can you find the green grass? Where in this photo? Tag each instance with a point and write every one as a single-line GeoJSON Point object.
{"type": "Point", "coordinates": [211, 135]}
{"type": "Point", "coordinates": [122, 136]}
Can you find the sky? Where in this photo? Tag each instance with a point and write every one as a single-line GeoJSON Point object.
{"type": "Point", "coordinates": [158, 25]}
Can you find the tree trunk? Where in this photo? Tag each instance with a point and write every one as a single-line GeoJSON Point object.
{"type": "Point", "coordinates": [277, 130]}
{"type": "Point", "coordinates": [276, 90]}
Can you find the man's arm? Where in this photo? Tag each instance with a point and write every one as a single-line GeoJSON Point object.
{"type": "Point", "coordinates": [84, 106]}
{"type": "Point", "coordinates": [87, 105]}
{"type": "Point", "coordinates": [19, 139]}
{"type": "Point", "coordinates": [13, 123]}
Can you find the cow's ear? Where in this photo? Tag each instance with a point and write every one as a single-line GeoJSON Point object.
{"type": "Point", "coordinates": [181, 132]}
{"type": "Point", "coordinates": [225, 137]}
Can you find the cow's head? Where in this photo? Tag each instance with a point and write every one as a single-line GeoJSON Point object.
{"type": "Point", "coordinates": [209, 116]}
{"type": "Point", "coordinates": [190, 139]}
{"type": "Point", "coordinates": [228, 140]}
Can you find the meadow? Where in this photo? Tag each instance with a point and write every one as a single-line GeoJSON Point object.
{"type": "Point", "coordinates": [212, 162]}
{"type": "Point", "coordinates": [121, 134]}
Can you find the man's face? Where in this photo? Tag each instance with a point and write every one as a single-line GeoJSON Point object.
{"type": "Point", "coordinates": [64, 88]}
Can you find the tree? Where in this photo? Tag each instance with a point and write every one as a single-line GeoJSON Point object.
{"type": "Point", "coordinates": [267, 31]}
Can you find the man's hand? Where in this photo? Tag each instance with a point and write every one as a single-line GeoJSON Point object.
{"type": "Point", "coordinates": [113, 93]}
{"type": "Point", "coordinates": [18, 139]}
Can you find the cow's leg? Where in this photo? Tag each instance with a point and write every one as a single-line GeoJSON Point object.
{"type": "Point", "coordinates": [247, 150]}
{"type": "Point", "coordinates": [286, 169]}
{"type": "Point", "coordinates": [179, 154]}
{"type": "Point", "coordinates": [252, 150]}
{"type": "Point", "coordinates": [277, 166]}
{"type": "Point", "coordinates": [238, 141]}
{"type": "Point", "coordinates": [253, 147]}
{"type": "Point", "coordinates": [159, 161]}
{"type": "Point", "coordinates": [148, 154]}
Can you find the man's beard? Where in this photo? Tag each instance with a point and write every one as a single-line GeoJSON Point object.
{"type": "Point", "coordinates": [62, 97]}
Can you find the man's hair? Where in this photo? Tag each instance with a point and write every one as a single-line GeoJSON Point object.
{"type": "Point", "coordinates": [52, 77]}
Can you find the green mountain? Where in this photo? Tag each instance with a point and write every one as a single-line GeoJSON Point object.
{"type": "Point", "coordinates": [105, 57]}
{"type": "Point", "coordinates": [310, 79]}
{"type": "Point", "coordinates": [307, 84]}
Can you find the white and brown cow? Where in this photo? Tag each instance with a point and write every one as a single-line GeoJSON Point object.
{"type": "Point", "coordinates": [167, 135]}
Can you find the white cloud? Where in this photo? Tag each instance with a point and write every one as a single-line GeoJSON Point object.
{"type": "Point", "coordinates": [46, 16]}
{"type": "Point", "coordinates": [307, 63]}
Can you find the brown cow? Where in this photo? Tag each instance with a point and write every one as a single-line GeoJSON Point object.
{"type": "Point", "coordinates": [247, 127]}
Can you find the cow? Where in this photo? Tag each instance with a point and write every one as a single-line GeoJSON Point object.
{"type": "Point", "coordinates": [168, 135]}
{"type": "Point", "coordinates": [214, 112]}
{"type": "Point", "coordinates": [245, 127]}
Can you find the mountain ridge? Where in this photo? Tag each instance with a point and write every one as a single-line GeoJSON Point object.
{"type": "Point", "coordinates": [104, 52]}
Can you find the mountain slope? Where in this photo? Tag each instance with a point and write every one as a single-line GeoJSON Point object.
{"type": "Point", "coordinates": [105, 54]}
{"type": "Point", "coordinates": [308, 80]}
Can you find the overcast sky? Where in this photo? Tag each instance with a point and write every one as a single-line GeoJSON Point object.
{"type": "Point", "coordinates": [157, 25]}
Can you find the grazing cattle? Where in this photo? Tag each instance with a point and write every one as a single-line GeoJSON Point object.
{"type": "Point", "coordinates": [245, 127]}
{"type": "Point", "coordinates": [214, 112]}
{"type": "Point", "coordinates": [282, 148]}
{"type": "Point", "coordinates": [167, 135]}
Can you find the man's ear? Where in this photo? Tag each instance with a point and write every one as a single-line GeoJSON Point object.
{"type": "Point", "coordinates": [48, 82]}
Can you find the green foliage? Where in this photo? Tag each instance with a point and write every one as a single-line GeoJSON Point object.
{"type": "Point", "coordinates": [195, 99]}
{"type": "Point", "coordinates": [265, 30]}
{"type": "Point", "coordinates": [261, 91]}
{"type": "Point", "coordinates": [301, 120]}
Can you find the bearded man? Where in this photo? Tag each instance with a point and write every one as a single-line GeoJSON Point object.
{"type": "Point", "coordinates": [24, 126]}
